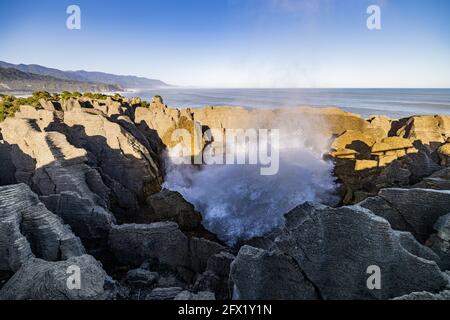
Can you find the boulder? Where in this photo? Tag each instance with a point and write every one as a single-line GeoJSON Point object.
{"type": "Point", "coordinates": [216, 277]}
{"type": "Point", "coordinates": [201, 250]}
{"type": "Point", "coordinates": [220, 263]}
{"type": "Point", "coordinates": [48, 105]}
{"type": "Point", "coordinates": [42, 280]}
{"type": "Point", "coordinates": [132, 244]}
{"type": "Point", "coordinates": [170, 206]}
{"type": "Point", "coordinates": [70, 104]}
{"type": "Point", "coordinates": [209, 281]}
{"type": "Point", "coordinates": [381, 123]}
{"type": "Point", "coordinates": [414, 210]}
{"type": "Point", "coordinates": [439, 180]}
{"type": "Point", "coordinates": [426, 129]}
{"type": "Point", "coordinates": [335, 246]}
{"type": "Point", "coordinates": [258, 274]}
{"type": "Point", "coordinates": [393, 143]}
{"type": "Point", "coordinates": [354, 140]}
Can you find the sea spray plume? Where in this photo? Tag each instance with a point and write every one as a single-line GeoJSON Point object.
{"type": "Point", "coordinates": [237, 202]}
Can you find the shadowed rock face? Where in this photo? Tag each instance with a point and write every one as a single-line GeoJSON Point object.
{"type": "Point", "coordinates": [28, 229]}
{"type": "Point", "coordinates": [170, 206]}
{"type": "Point", "coordinates": [269, 275]}
{"type": "Point", "coordinates": [162, 242]}
{"type": "Point", "coordinates": [413, 210]}
{"type": "Point", "coordinates": [39, 249]}
{"type": "Point", "coordinates": [82, 164]}
{"type": "Point", "coordinates": [42, 280]}
{"type": "Point", "coordinates": [333, 249]}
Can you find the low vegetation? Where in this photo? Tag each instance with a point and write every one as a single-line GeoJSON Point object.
{"type": "Point", "coordinates": [9, 104]}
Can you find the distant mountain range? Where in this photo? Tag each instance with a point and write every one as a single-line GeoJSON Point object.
{"type": "Point", "coordinates": [16, 81]}
{"type": "Point", "coordinates": [81, 78]}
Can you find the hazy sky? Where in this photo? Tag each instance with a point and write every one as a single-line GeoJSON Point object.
{"type": "Point", "coordinates": [237, 43]}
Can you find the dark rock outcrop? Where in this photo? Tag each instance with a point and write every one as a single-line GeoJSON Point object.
{"type": "Point", "coordinates": [42, 280]}
{"type": "Point", "coordinates": [334, 247]}
{"type": "Point", "coordinates": [133, 244]}
{"type": "Point", "coordinates": [170, 206]}
{"type": "Point", "coordinates": [258, 274]}
{"type": "Point", "coordinates": [413, 210]}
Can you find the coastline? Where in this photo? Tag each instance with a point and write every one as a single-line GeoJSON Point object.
{"type": "Point", "coordinates": [89, 161]}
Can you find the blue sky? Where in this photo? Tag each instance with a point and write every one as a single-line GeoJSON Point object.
{"type": "Point", "coordinates": [237, 43]}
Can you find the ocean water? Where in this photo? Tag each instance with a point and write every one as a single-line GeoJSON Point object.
{"type": "Point", "coordinates": [395, 103]}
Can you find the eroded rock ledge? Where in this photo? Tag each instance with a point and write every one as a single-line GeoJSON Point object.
{"type": "Point", "coordinates": [80, 184]}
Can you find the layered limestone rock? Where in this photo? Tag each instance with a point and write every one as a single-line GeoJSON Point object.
{"type": "Point", "coordinates": [127, 165]}
{"type": "Point", "coordinates": [444, 153]}
{"type": "Point", "coordinates": [162, 242]}
{"type": "Point", "coordinates": [39, 249]}
{"type": "Point", "coordinates": [439, 180]}
{"type": "Point", "coordinates": [413, 210]}
{"type": "Point", "coordinates": [59, 173]}
{"type": "Point", "coordinates": [7, 168]}
{"type": "Point", "coordinates": [170, 127]}
{"type": "Point", "coordinates": [38, 279]}
{"type": "Point", "coordinates": [430, 130]}
{"type": "Point", "coordinates": [269, 275]}
{"type": "Point", "coordinates": [423, 296]}
{"type": "Point", "coordinates": [440, 242]}
{"type": "Point", "coordinates": [28, 229]}
{"type": "Point", "coordinates": [328, 121]}
{"type": "Point", "coordinates": [333, 249]}
{"type": "Point", "coordinates": [389, 153]}
{"type": "Point", "coordinates": [170, 206]}
{"type": "Point", "coordinates": [133, 244]}
{"type": "Point", "coordinates": [82, 163]}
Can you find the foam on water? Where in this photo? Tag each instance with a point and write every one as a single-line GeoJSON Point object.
{"type": "Point", "coordinates": [237, 202]}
